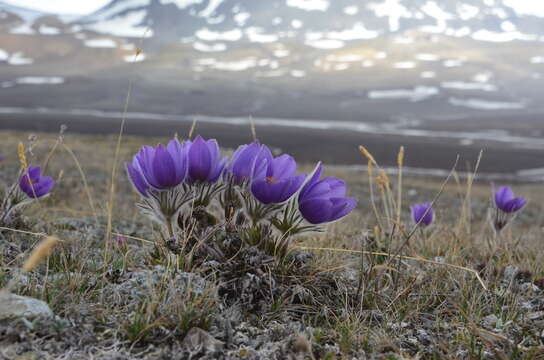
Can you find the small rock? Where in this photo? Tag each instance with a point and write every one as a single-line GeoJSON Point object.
{"type": "Point", "coordinates": [529, 287]}
{"type": "Point", "coordinates": [198, 339]}
{"type": "Point", "coordinates": [412, 341]}
{"type": "Point", "coordinates": [15, 306]}
{"type": "Point", "coordinates": [510, 273]}
{"type": "Point", "coordinates": [537, 315]}
{"type": "Point", "coordinates": [423, 337]}
{"type": "Point", "coordinates": [490, 321]}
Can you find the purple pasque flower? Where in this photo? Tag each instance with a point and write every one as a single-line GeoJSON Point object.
{"type": "Point", "coordinates": [249, 162]}
{"type": "Point", "coordinates": [422, 214]}
{"type": "Point", "coordinates": [33, 184]}
{"type": "Point", "coordinates": [120, 240]}
{"type": "Point", "coordinates": [506, 201]}
{"type": "Point", "coordinates": [205, 164]}
{"type": "Point", "coordinates": [506, 206]}
{"type": "Point", "coordinates": [280, 181]}
{"type": "Point", "coordinates": [324, 200]}
{"type": "Point", "coordinates": [161, 168]}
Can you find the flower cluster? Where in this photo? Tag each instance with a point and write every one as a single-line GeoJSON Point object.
{"type": "Point", "coordinates": [183, 178]}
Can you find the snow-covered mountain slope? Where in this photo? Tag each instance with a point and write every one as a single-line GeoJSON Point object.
{"type": "Point", "coordinates": [327, 24]}
{"type": "Point", "coordinates": [324, 23]}
{"type": "Point", "coordinates": [28, 15]}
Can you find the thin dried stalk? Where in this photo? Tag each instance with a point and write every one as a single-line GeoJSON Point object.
{"type": "Point", "coordinates": [418, 259]}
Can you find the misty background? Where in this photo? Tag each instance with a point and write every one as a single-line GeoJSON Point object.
{"type": "Point", "coordinates": [317, 77]}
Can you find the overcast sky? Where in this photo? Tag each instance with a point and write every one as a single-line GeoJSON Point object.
{"type": "Point", "coordinates": [61, 6]}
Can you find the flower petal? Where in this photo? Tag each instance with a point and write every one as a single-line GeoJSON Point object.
{"type": "Point", "coordinates": [316, 211]}
{"type": "Point", "coordinates": [283, 166]}
{"type": "Point", "coordinates": [200, 160]}
{"type": "Point", "coordinates": [164, 171]}
{"type": "Point", "coordinates": [503, 195]}
{"type": "Point", "coordinates": [136, 177]}
{"type": "Point", "coordinates": [342, 207]}
{"type": "Point", "coordinates": [515, 205]}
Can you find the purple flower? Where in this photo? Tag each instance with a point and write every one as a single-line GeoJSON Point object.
{"type": "Point", "coordinates": [325, 200]}
{"type": "Point", "coordinates": [506, 207]}
{"type": "Point", "coordinates": [249, 162]}
{"type": "Point", "coordinates": [280, 181]}
{"type": "Point", "coordinates": [121, 240]}
{"type": "Point", "coordinates": [33, 184]}
{"type": "Point", "coordinates": [205, 164]}
{"type": "Point", "coordinates": [422, 214]}
{"type": "Point", "coordinates": [506, 202]}
{"type": "Point", "coordinates": [162, 167]}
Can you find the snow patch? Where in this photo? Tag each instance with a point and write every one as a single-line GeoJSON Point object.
{"type": "Point", "coordinates": [255, 34]}
{"type": "Point", "coordinates": [108, 12]}
{"type": "Point", "coordinates": [391, 9]}
{"type": "Point", "coordinates": [492, 36]}
{"type": "Point", "coordinates": [357, 32]}
{"type": "Point", "coordinates": [182, 4]}
{"type": "Point", "coordinates": [135, 58]}
{"type": "Point", "coordinates": [281, 53]}
{"type": "Point", "coordinates": [428, 75]}
{"type": "Point", "coordinates": [23, 29]}
{"type": "Point", "coordinates": [297, 24]}
{"type": "Point", "coordinates": [467, 11]}
{"type": "Point", "coordinates": [298, 73]}
{"type": "Point", "coordinates": [127, 25]}
{"type": "Point", "coordinates": [452, 63]}
{"type": "Point", "coordinates": [240, 65]}
{"type": "Point", "coordinates": [461, 85]}
{"type": "Point", "coordinates": [210, 10]}
{"type": "Point", "coordinates": [427, 57]}
{"type": "Point", "coordinates": [40, 80]}
{"type": "Point", "coordinates": [405, 65]}
{"type": "Point", "coordinates": [100, 43]}
{"type": "Point", "coordinates": [4, 55]}
{"type": "Point", "coordinates": [351, 10]}
{"type": "Point", "coordinates": [325, 44]}
{"type": "Point", "coordinates": [419, 93]}
{"type": "Point", "coordinates": [432, 9]}
{"type": "Point", "coordinates": [48, 30]}
{"type": "Point", "coordinates": [217, 47]}
{"type": "Point", "coordinates": [482, 77]}
{"type": "Point", "coordinates": [480, 104]}
{"type": "Point", "coordinates": [242, 18]}
{"type": "Point", "coordinates": [19, 59]}
{"type": "Point", "coordinates": [344, 58]}
{"type": "Point", "coordinates": [309, 5]}
{"type": "Point", "coordinates": [526, 7]}
{"type": "Point", "coordinates": [208, 35]}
